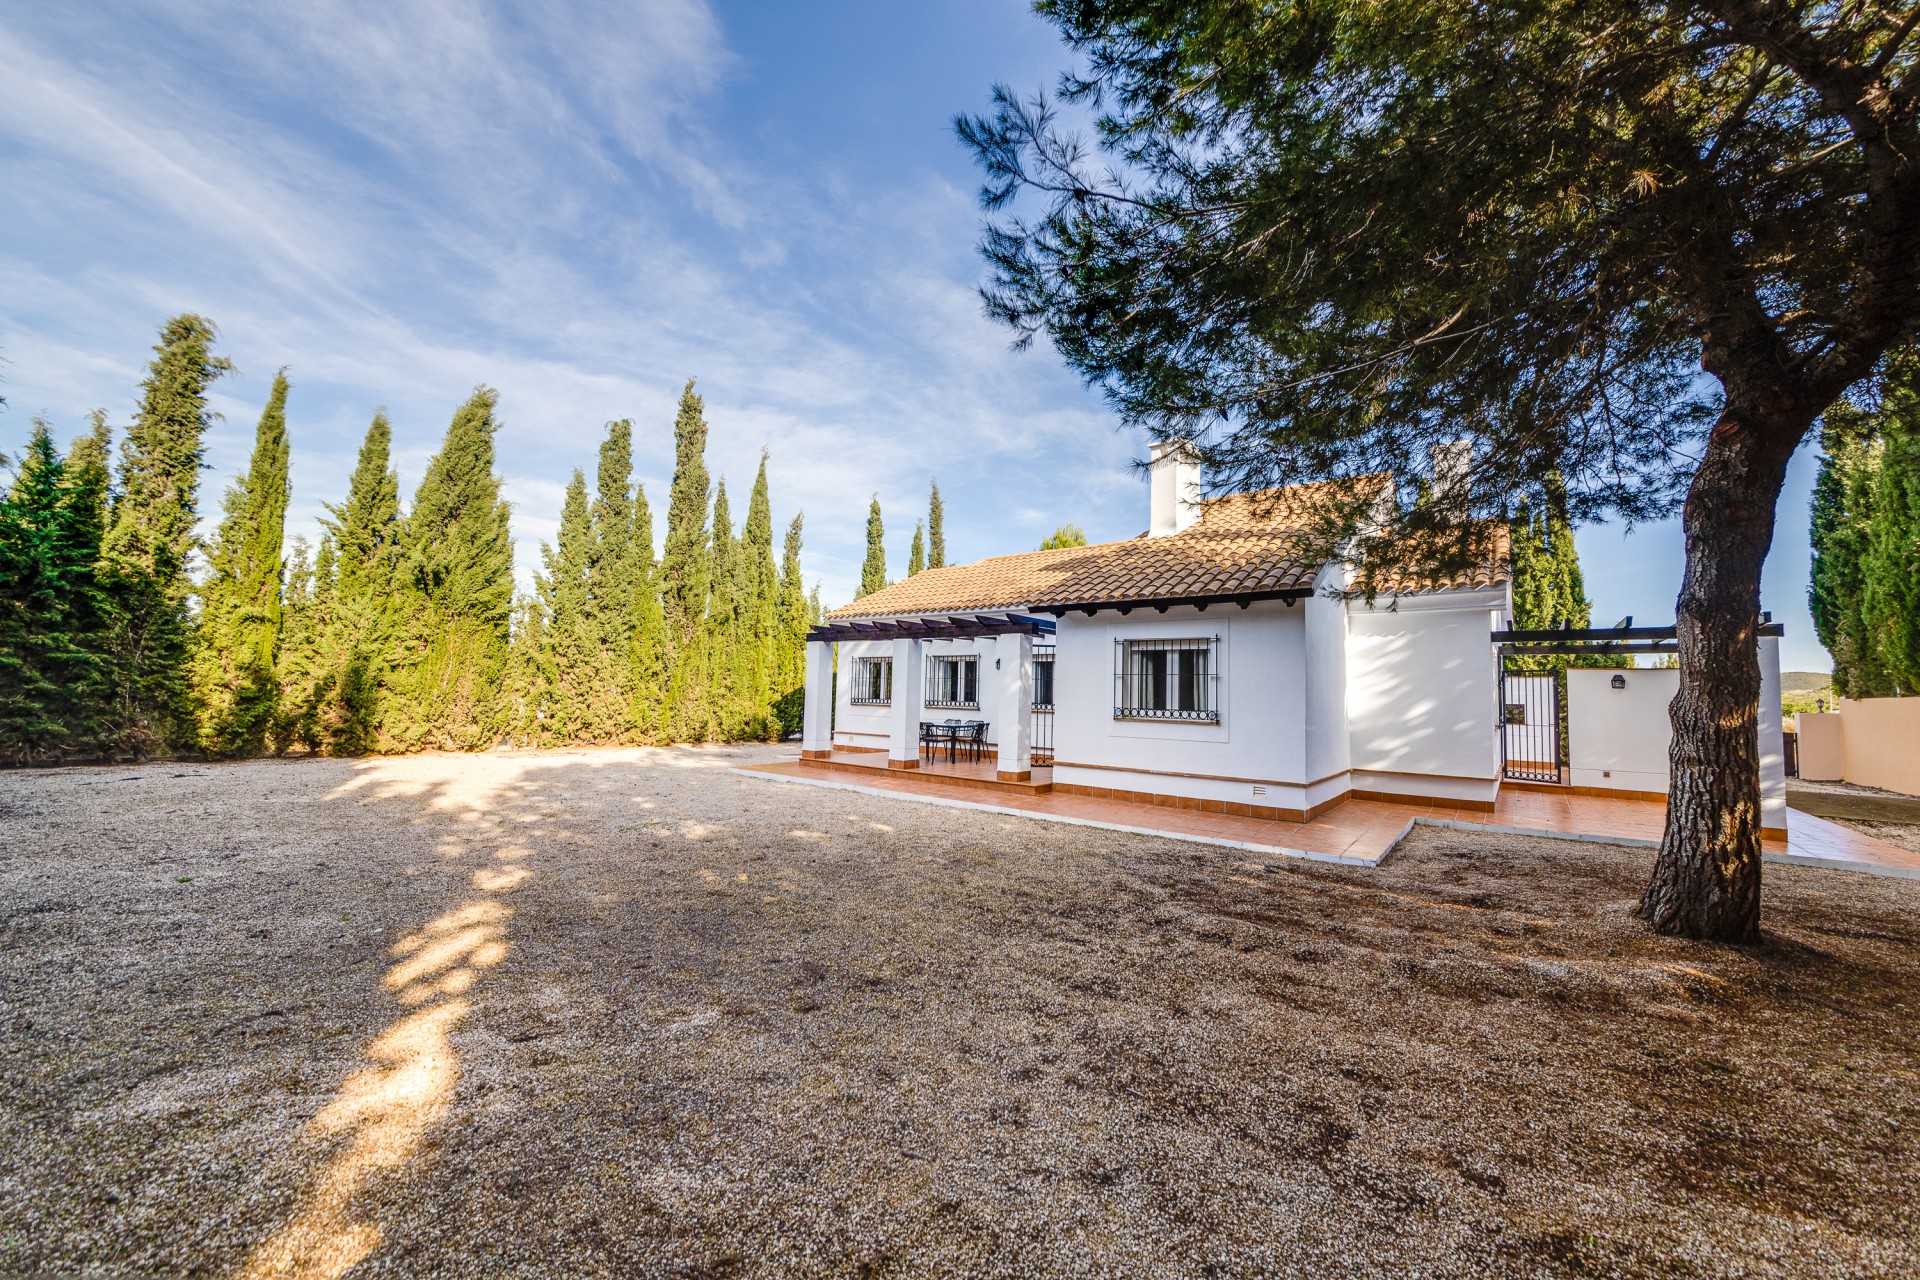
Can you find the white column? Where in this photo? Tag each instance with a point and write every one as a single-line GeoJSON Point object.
{"type": "Point", "coordinates": [1013, 703]}
{"type": "Point", "coordinates": [816, 728]}
{"type": "Point", "coordinates": [903, 734]}
{"type": "Point", "coordinates": [1773, 748]}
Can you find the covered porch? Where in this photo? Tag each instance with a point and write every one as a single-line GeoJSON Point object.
{"type": "Point", "coordinates": [976, 714]}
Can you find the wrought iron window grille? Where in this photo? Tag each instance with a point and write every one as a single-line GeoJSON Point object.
{"type": "Point", "coordinates": [1167, 679]}
{"type": "Point", "coordinates": [872, 682]}
{"type": "Point", "coordinates": [953, 682]}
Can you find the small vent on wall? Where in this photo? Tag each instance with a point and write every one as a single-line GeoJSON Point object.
{"type": "Point", "coordinates": [1259, 790]}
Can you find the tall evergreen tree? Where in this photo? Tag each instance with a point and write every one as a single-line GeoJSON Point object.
{"type": "Point", "coordinates": [936, 530]}
{"type": "Point", "coordinates": [149, 542]}
{"type": "Point", "coordinates": [794, 618]}
{"type": "Point", "coordinates": [649, 709]}
{"type": "Point", "coordinates": [617, 575]}
{"type": "Point", "coordinates": [722, 712]}
{"type": "Point", "coordinates": [1890, 565]}
{"type": "Point", "coordinates": [52, 670]}
{"type": "Point", "coordinates": [686, 572]}
{"type": "Point", "coordinates": [236, 685]}
{"type": "Point", "coordinates": [917, 552]}
{"type": "Point", "coordinates": [1842, 524]}
{"type": "Point", "coordinates": [569, 645]}
{"type": "Point", "coordinates": [873, 573]}
{"type": "Point", "coordinates": [360, 611]}
{"type": "Point", "coordinates": [760, 582]}
{"type": "Point", "coordinates": [459, 570]}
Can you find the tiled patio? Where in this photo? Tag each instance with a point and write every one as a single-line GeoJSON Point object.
{"type": "Point", "coordinates": [1358, 833]}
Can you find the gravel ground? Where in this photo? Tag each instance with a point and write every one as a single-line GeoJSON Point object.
{"type": "Point", "coordinates": [625, 1013]}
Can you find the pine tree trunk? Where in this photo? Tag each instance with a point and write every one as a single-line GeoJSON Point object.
{"type": "Point", "coordinates": [1706, 881]}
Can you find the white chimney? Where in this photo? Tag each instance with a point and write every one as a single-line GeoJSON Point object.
{"type": "Point", "coordinates": [1175, 469]}
{"type": "Point", "coordinates": [1448, 466]}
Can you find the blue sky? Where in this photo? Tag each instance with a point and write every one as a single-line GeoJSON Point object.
{"type": "Point", "coordinates": [584, 205]}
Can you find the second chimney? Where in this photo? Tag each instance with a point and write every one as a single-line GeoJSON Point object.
{"type": "Point", "coordinates": [1175, 471]}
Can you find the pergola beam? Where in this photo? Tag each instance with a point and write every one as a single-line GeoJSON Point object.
{"type": "Point", "coordinates": [948, 627]}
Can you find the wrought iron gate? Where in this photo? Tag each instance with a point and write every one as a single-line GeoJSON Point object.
{"type": "Point", "coordinates": [1531, 725]}
{"type": "Point", "coordinates": [1042, 705]}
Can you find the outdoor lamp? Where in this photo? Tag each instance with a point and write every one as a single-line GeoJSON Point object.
{"type": "Point", "coordinates": [1619, 681]}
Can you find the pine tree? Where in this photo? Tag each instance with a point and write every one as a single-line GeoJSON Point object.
{"type": "Point", "coordinates": [761, 596]}
{"type": "Point", "coordinates": [459, 570]}
{"type": "Point", "coordinates": [149, 542]}
{"type": "Point", "coordinates": [936, 530]}
{"type": "Point", "coordinates": [52, 670]}
{"type": "Point", "coordinates": [873, 573]}
{"type": "Point", "coordinates": [1067, 535]}
{"type": "Point", "coordinates": [236, 685]}
{"type": "Point", "coordinates": [794, 619]}
{"type": "Point", "coordinates": [917, 553]}
{"type": "Point", "coordinates": [686, 574]}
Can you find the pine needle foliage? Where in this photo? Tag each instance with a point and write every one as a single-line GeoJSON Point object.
{"type": "Point", "coordinates": [149, 543]}
{"type": "Point", "coordinates": [52, 662]}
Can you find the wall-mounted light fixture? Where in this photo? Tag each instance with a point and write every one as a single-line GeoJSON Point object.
{"type": "Point", "coordinates": [1619, 681]}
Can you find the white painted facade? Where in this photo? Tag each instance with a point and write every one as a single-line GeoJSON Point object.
{"type": "Point", "coordinates": [1617, 739]}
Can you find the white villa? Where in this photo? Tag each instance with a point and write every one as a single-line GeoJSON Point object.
{"type": "Point", "coordinates": [1203, 665]}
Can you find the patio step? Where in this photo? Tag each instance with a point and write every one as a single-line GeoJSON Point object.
{"type": "Point", "coordinates": [936, 773]}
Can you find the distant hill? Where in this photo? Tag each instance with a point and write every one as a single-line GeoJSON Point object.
{"type": "Point", "coordinates": [1804, 681]}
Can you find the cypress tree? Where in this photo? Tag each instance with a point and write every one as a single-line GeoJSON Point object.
{"type": "Point", "coordinates": [722, 709]}
{"type": "Point", "coordinates": [616, 575]}
{"type": "Point", "coordinates": [686, 572]}
{"type": "Point", "coordinates": [917, 555]}
{"type": "Point", "coordinates": [459, 570]}
{"type": "Point", "coordinates": [1842, 521]}
{"type": "Point", "coordinates": [794, 618]}
{"type": "Point", "coordinates": [569, 644]}
{"type": "Point", "coordinates": [360, 613]}
{"type": "Point", "coordinates": [1890, 561]}
{"type": "Point", "coordinates": [150, 541]}
{"type": "Point", "coordinates": [936, 530]}
{"type": "Point", "coordinates": [236, 685]}
{"type": "Point", "coordinates": [648, 706]}
{"type": "Point", "coordinates": [873, 573]}
{"type": "Point", "coordinates": [761, 596]}
{"type": "Point", "coordinates": [52, 674]}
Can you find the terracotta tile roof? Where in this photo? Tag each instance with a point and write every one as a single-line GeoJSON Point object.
{"type": "Point", "coordinates": [1243, 543]}
{"type": "Point", "coordinates": [1492, 573]}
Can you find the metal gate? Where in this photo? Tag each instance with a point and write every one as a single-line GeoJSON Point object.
{"type": "Point", "coordinates": [1042, 705]}
{"type": "Point", "coordinates": [1531, 725]}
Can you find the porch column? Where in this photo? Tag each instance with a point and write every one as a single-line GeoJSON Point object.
{"type": "Point", "coordinates": [1013, 705]}
{"type": "Point", "coordinates": [816, 727]}
{"type": "Point", "coordinates": [903, 732]}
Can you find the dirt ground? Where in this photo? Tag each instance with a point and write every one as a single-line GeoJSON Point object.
{"type": "Point", "coordinates": [626, 1013]}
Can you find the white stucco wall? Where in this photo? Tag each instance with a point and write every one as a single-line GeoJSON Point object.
{"type": "Point", "coordinates": [868, 726]}
{"type": "Point", "coordinates": [1617, 739]}
{"type": "Point", "coordinates": [1423, 694]}
{"type": "Point", "coordinates": [1260, 739]}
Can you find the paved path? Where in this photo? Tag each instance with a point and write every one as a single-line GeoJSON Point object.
{"type": "Point", "coordinates": [1363, 832]}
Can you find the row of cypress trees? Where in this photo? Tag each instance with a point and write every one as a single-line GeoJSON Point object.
{"type": "Point", "coordinates": [401, 630]}
{"type": "Point", "coordinates": [927, 551]}
{"type": "Point", "coordinates": [1865, 588]}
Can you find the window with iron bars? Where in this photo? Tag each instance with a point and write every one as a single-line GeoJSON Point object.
{"type": "Point", "coordinates": [1042, 680]}
{"type": "Point", "coordinates": [953, 682]}
{"type": "Point", "coordinates": [872, 681]}
{"type": "Point", "coordinates": [1166, 679]}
